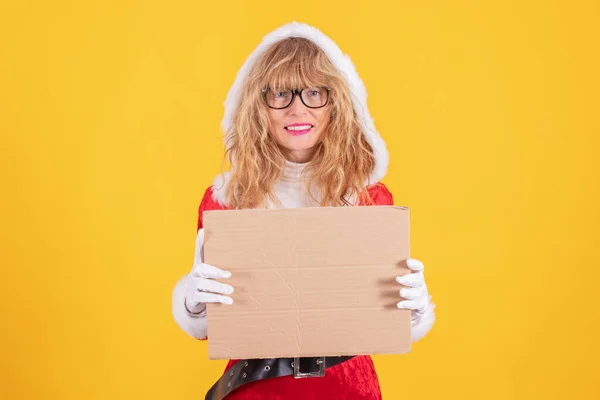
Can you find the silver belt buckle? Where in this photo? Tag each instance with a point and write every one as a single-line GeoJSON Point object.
{"type": "Point", "coordinates": [320, 372]}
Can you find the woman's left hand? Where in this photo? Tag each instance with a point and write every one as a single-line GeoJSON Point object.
{"type": "Point", "coordinates": [415, 293]}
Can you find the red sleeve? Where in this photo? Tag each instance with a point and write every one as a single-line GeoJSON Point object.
{"type": "Point", "coordinates": [381, 195]}
{"type": "Point", "coordinates": [207, 204]}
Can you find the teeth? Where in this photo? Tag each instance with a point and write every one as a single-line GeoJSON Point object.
{"type": "Point", "coordinates": [298, 128]}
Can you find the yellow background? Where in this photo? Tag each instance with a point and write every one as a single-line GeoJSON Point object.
{"type": "Point", "coordinates": [109, 118]}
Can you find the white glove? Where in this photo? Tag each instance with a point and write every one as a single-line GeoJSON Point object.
{"type": "Point", "coordinates": [416, 298]}
{"type": "Point", "coordinates": [201, 288]}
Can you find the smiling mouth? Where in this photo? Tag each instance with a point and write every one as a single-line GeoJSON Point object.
{"type": "Point", "coordinates": [299, 129]}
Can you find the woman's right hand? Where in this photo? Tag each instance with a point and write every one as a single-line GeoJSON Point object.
{"type": "Point", "coordinates": [201, 287]}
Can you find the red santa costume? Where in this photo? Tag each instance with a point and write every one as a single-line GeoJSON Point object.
{"type": "Point", "coordinates": [355, 378]}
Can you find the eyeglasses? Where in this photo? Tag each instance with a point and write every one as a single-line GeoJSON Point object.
{"type": "Point", "coordinates": [315, 97]}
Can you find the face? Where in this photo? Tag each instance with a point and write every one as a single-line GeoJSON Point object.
{"type": "Point", "coordinates": [298, 129]}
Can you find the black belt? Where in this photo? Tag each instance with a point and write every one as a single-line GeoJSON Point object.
{"type": "Point", "coordinates": [246, 371]}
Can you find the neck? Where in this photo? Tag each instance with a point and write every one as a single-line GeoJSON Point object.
{"type": "Point", "coordinates": [299, 156]}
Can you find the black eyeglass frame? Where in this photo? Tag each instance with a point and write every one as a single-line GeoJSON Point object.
{"type": "Point", "coordinates": [294, 93]}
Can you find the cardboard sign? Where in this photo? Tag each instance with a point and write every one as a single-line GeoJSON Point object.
{"type": "Point", "coordinates": [309, 281]}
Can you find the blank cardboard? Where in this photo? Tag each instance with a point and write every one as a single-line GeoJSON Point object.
{"type": "Point", "coordinates": [309, 281]}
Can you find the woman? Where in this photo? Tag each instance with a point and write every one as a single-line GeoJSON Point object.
{"type": "Point", "coordinates": [298, 134]}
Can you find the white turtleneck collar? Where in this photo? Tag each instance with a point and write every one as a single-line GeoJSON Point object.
{"type": "Point", "coordinates": [290, 189]}
{"type": "Point", "coordinates": [292, 171]}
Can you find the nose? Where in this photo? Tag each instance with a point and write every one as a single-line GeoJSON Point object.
{"type": "Point", "coordinates": [297, 107]}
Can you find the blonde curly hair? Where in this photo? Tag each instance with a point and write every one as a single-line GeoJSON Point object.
{"type": "Point", "coordinates": [338, 174]}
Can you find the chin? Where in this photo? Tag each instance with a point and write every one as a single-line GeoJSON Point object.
{"type": "Point", "coordinates": [299, 145]}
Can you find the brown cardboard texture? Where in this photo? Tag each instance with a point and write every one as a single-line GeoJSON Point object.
{"type": "Point", "coordinates": [309, 281]}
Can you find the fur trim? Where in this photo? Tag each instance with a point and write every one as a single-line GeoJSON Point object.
{"type": "Point", "coordinates": [342, 62]}
{"type": "Point", "coordinates": [195, 326]}
{"type": "Point", "coordinates": [218, 187]}
{"type": "Point", "coordinates": [423, 324]}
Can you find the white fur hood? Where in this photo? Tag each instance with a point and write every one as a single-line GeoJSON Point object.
{"type": "Point", "coordinates": [341, 61]}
